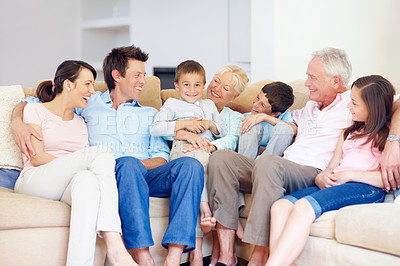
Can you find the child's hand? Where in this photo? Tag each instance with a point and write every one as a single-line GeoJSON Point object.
{"type": "Point", "coordinates": [195, 125]}
{"type": "Point", "coordinates": [342, 177]}
{"type": "Point", "coordinates": [197, 142]}
{"type": "Point", "coordinates": [326, 179]}
{"type": "Point", "coordinates": [251, 120]}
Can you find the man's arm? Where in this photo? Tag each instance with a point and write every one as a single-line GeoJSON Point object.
{"type": "Point", "coordinates": [153, 162]}
{"type": "Point", "coordinates": [41, 156]}
{"type": "Point", "coordinates": [22, 132]}
{"type": "Point", "coordinates": [390, 158]}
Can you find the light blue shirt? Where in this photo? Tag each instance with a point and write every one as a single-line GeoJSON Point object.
{"type": "Point", "coordinates": [285, 116]}
{"type": "Point", "coordinates": [125, 131]}
{"type": "Point", "coordinates": [233, 122]}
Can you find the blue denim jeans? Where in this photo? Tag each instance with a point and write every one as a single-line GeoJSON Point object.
{"type": "Point", "coordinates": [336, 197]}
{"type": "Point", "coordinates": [8, 177]}
{"type": "Point", "coordinates": [180, 179]}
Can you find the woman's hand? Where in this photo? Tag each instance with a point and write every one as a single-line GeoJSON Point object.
{"type": "Point", "coordinates": [326, 179]}
{"type": "Point", "coordinates": [251, 120]}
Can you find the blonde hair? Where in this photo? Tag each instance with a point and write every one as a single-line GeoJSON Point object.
{"type": "Point", "coordinates": [239, 80]}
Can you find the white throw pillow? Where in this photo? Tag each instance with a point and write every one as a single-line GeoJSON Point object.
{"type": "Point", "coordinates": [10, 155]}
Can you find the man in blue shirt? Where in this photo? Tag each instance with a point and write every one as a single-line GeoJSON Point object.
{"type": "Point", "coordinates": [269, 127]}
{"type": "Point", "coordinates": [115, 119]}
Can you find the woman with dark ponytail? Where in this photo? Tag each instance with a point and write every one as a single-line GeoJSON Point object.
{"type": "Point", "coordinates": [65, 168]}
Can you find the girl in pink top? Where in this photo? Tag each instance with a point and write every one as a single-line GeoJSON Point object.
{"type": "Point", "coordinates": [65, 168]}
{"type": "Point", "coordinates": [352, 176]}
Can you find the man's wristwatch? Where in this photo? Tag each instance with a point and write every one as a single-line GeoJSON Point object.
{"type": "Point", "coordinates": [393, 138]}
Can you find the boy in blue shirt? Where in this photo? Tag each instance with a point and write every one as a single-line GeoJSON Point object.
{"type": "Point", "coordinates": [269, 127]}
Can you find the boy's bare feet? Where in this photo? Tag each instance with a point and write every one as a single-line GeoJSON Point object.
{"type": "Point", "coordinates": [240, 230]}
{"type": "Point", "coordinates": [207, 224]}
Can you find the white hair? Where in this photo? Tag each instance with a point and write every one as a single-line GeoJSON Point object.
{"type": "Point", "coordinates": [336, 63]}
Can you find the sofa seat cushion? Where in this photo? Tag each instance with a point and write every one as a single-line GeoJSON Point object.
{"type": "Point", "coordinates": [22, 211]}
{"type": "Point", "coordinates": [372, 226]}
{"type": "Point", "coordinates": [159, 207]}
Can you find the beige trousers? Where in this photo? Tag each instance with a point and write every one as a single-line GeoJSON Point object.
{"type": "Point", "coordinates": [267, 179]}
{"type": "Point", "coordinates": [85, 180]}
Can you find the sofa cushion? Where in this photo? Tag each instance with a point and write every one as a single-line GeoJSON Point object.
{"type": "Point", "coordinates": [10, 156]}
{"type": "Point", "coordinates": [372, 226]}
{"type": "Point", "coordinates": [22, 211]}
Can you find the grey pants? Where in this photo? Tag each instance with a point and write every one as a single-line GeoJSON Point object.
{"type": "Point", "coordinates": [268, 178]}
{"type": "Point", "coordinates": [280, 138]}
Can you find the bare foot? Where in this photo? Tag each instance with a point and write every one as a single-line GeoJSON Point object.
{"type": "Point", "coordinates": [240, 230]}
{"type": "Point", "coordinates": [122, 260]}
{"type": "Point", "coordinates": [120, 257]}
{"type": "Point", "coordinates": [142, 256]}
{"type": "Point", "coordinates": [207, 224]}
{"type": "Point", "coordinates": [116, 252]}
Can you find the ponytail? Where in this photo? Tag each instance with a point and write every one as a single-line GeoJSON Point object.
{"type": "Point", "coordinates": [47, 90]}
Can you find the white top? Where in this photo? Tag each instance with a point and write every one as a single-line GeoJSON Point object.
{"type": "Point", "coordinates": [318, 131]}
{"type": "Point", "coordinates": [174, 109]}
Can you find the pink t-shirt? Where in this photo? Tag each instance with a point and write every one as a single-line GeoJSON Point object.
{"type": "Point", "coordinates": [59, 137]}
{"type": "Point", "coordinates": [357, 156]}
{"type": "Point", "coordinates": [318, 131]}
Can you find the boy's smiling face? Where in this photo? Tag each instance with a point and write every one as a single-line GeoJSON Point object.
{"type": "Point", "coordinates": [261, 104]}
{"type": "Point", "coordinates": [190, 87]}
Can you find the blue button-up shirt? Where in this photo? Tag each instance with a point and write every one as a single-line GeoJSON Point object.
{"type": "Point", "coordinates": [125, 131]}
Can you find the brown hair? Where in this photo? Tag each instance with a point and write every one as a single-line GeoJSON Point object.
{"type": "Point", "coordinates": [118, 59]}
{"type": "Point", "coordinates": [280, 96]}
{"type": "Point", "coordinates": [377, 93]}
{"type": "Point", "coordinates": [190, 67]}
{"type": "Point", "coordinates": [69, 69]}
